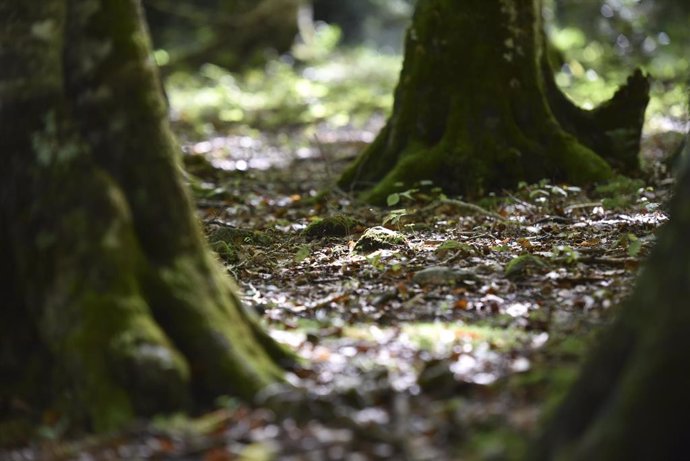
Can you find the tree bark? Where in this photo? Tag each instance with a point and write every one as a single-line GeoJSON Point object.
{"type": "Point", "coordinates": [476, 109]}
{"type": "Point", "coordinates": [631, 400]}
{"type": "Point", "coordinates": [113, 297]}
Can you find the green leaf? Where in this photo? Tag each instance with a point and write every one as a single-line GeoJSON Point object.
{"type": "Point", "coordinates": [525, 265]}
{"type": "Point", "coordinates": [393, 199]}
{"type": "Point", "coordinates": [394, 216]}
{"type": "Point", "coordinates": [634, 245]}
{"type": "Point", "coordinates": [408, 193]}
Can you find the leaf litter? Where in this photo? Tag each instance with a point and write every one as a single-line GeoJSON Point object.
{"type": "Point", "coordinates": [432, 329]}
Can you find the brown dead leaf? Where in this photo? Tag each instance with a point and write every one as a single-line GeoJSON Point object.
{"type": "Point", "coordinates": [218, 454]}
{"type": "Point", "coordinates": [461, 304]}
{"type": "Point", "coordinates": [165, 445]}
{"type": "Point", "coordinates": [525, 244]}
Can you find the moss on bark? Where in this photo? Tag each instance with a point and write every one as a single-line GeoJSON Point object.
{"type": "Point", "coordinates": [109, 278]}
{"type": "Point", "coordinates": [473, 108]}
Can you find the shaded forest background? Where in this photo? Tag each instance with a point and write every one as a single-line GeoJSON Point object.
{"type": "Point", "coordinates": [595, 45]}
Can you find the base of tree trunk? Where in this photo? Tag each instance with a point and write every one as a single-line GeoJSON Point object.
{"type": "Point", "coordinates": [476, 109]}
{"type": "Point", "coordinates": [115, 307]}
{"type": "Point", "coordinates": [129, 337]}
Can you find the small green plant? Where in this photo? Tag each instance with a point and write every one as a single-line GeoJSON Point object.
{"type": "Point", "coordinates": [565, 253]}
{"type": "Point", "coordinates": [303, 253]}
{"type": "Point", "coordinates": [631, 243]}
{"type": "Point", "coordinates": [375, 260]}
{"type": "Point", "coordinates": [620, 192]}
{"type": "Point", "coordinates": [500, 248]}
{"type": "Point", "coordinates": [395, 198]}
{"type": "Point", "coordinates": [395, 216]}
{"type": "Point", "coordinates": [525, 265]}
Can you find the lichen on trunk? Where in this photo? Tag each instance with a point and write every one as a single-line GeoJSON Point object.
{"type": "Point", "coordinates": [109, 277]}
{"type": "Point", "coordinates": [473, 109]}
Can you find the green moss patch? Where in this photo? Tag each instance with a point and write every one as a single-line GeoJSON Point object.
{"type": "Point", "coordinates": [332, 226]}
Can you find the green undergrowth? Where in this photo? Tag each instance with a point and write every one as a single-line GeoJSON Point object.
{"type": "Point", "coordinates": [619, 192]}
{"type": "Point", "coordinates": [345, 87]}
{"type": "Point", "coordinates": [429, 336]}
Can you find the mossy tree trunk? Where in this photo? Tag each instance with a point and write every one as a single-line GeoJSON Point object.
{"type": "Point", "coordinates": [113, 307]}
{"type": "Point", "coordinates": [476, 109]}
{"type": "Point", "coordinates": [631, 401]}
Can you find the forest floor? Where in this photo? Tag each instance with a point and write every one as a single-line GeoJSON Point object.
{"type": "Point", "coordinates": [446, 332]}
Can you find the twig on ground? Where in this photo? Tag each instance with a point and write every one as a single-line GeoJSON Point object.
{"type": "Point", "coordinates": [471, 207]}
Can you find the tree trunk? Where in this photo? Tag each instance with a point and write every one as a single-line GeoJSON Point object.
{"type": "Point", "coordinates": [476, 109]}
{"type": "Point", "coordinates": [111, 295]}
{"type": "Point", "coordinates": [631, 400]}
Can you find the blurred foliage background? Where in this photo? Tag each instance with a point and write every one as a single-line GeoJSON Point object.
{"type": "Point", "coordinates": [243, 65]}
{"type": "Point", "coordinates": [601, 41]}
